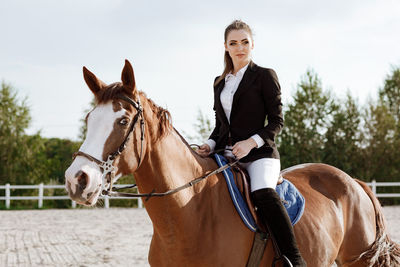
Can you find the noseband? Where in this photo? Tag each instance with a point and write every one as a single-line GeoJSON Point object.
{"type": "Point", "coordinates": [108, 166]}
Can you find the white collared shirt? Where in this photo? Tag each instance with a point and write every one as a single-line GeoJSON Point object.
{"type": "Point", "coordinates": [231, 85]}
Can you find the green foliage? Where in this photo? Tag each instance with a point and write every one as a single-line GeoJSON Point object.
{"type": "Point", "coordinates": [389, 95]}
{"type": "Point", "coordinates": [14, 113]}
{"type": "Point", "coordinates": [16, 149]}
{"type": "Point", "coordinates": [28, 159]}
{"type": "Point", "coordinates": [306, 122]}
{"type": "Point", "coordinates": [342, 147]}
{"type": "Point", "coordinates": [382, 132]}
{"type": "Point", "coordinates": [381, 151]}
{"type": "Point", "coordinates": [56, 158]}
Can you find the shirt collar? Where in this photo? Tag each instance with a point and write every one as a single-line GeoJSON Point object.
{"type": "Point", "coordinates": [239, 74]}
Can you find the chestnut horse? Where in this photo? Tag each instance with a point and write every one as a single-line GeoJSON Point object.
{"type": "Point", "coordinates": [342, 223]}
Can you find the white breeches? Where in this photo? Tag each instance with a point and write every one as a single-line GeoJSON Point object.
{"type": "Point", "coordinates": [264, 173]}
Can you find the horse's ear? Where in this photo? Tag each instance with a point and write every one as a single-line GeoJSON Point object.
{"type": "Point", "coordinates": [95, 84]}
{"type": "Point", "coordinates": [128, 78]}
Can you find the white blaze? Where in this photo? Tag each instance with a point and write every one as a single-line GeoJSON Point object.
{"type": "Point", "coordinates": [99, 127]}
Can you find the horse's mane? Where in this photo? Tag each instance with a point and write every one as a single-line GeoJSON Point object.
{"type": "Point", "coordinates": [163, 115]}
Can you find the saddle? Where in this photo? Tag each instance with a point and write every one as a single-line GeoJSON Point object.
{"type": "Point", "coordinates": [237, 181]}
{"type": "Point", "coordinates": [242, 181]}
{"type": "Point", "coordinates": [238, 186]}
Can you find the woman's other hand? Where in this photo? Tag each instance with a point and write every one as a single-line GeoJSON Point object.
{"type": "Point", "coordinates": [242, 148]}
{"type": "Point", "coordinates": [204, 150]}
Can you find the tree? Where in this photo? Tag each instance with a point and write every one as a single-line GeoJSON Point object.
{"type": "Point", "coordinates": [343, 137]}
{"type": "Point", "coordinates": [56, 158]}
{"type": "Point", "coordinates": [389, 95]}
{"type": "Point", "coordinates": [306, 122]}
{"type": "Point", "coordinates": [380, 137]}
{"type": "Point", "coordinates": [382, 120]}
{"type": "Point", "coordinates": [16, 149]}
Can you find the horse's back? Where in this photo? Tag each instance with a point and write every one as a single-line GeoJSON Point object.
{"type": "Point", "coordinates": [338, 210]}
{"type": "Point", "coordinates": [330, 182]}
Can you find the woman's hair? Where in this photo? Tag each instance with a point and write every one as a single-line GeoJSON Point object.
{"type": "Point", "coordinates": [235, 25]}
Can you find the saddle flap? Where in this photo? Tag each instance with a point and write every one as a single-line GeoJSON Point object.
{"type": "Point", "coordinates": [242, 180]}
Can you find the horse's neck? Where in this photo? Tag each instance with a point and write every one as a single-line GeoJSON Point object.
{"type": "Point", "coordinates": [168, 164]}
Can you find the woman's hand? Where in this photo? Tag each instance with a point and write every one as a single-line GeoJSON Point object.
{"type": "Point", "coordinates": [242, 148]}
{"type": "Point", "coordinates": [204, 150]}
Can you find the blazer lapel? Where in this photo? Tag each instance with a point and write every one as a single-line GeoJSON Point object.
{"type": "Point", "coordinates": [248, 78]}
{"type": "Point", "coordinates": [218, 107]}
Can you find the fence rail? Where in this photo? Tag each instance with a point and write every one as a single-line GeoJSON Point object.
{"type": "Point", "coordinates": [41, 196]}
{"type": "Point", "coordinates": [374, 184]}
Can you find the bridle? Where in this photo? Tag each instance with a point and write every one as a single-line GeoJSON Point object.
{"type": "Point", "coordinates": [109, 169]}
{"type": "Point", "coordinates": [108, 165]}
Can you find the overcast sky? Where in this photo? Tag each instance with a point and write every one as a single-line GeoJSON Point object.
{"type": "Point", "coordinates": [176, 49]}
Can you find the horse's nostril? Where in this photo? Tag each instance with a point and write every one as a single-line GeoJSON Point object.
{"type": "Point", "coordinates": [82, 179]}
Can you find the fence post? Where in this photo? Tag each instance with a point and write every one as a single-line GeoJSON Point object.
{"type": "Point", "coordinates": [140, 202]}
{"type": "Point", "coordinates": [40, 201]}
{"type": "Point", "coordinates": [106, 202]}
{"type": "Point", "coordinates": [73, 204]}
{"type": "Point", "coordinates": [374, 186]}
{"type": "Point", "coordinates": [8, 196]}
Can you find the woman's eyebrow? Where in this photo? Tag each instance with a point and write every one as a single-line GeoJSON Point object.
{"type": "Point", "coordinates": [245, 39]}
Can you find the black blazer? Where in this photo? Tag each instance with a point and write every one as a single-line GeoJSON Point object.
{"type": "Point", "coordinates": [257, 98]}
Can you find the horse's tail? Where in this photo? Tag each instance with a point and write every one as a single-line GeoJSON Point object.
{"type": "Point", "coordinates": [384, 251]}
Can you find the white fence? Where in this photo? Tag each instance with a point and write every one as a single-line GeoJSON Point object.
{"type": "Point", "coordinates": [375, 184]}
{"type": "Point", "coordinates": [41, 196]}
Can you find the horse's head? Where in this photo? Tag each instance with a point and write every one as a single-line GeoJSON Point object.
{"type": "Point", "coordinates": [114, 126]}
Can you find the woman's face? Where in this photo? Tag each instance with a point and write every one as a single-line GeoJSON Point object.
{"type": "Point", "coordinates": [239, 45]}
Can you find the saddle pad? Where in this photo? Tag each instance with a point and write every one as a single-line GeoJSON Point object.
{"type": "Point", "coordinates": [294, 202]}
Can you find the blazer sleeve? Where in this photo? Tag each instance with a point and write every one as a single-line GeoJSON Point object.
{"type": "Point", "coordinates": [271, 91]}
{"type": "Point", "coordinates": [215, 133]}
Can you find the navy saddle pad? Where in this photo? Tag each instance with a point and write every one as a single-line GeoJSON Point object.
{"type": "Point", "coordinates": [294, 201]}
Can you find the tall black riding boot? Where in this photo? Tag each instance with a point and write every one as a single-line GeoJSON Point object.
{"type": "Point", "coordinates": [272, 212]}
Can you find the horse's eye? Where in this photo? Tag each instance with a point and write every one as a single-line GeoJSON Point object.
{"type": "Point", "coordinates": [123, 121]}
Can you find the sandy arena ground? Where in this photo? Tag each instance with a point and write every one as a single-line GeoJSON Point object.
{"type": "Point", "coordinates": [90, 237]}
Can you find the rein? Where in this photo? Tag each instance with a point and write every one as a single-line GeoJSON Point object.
{"type": "Point", "coordinates": [109, 169]}
{"type": "Point", "coordinates": [172, 191]}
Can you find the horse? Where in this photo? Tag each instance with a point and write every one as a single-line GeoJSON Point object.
{"type": "Point", "coordinates": [342, 224]}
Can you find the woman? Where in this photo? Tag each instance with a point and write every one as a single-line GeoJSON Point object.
{"type": "Point", "coordinates": [244, 96]}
